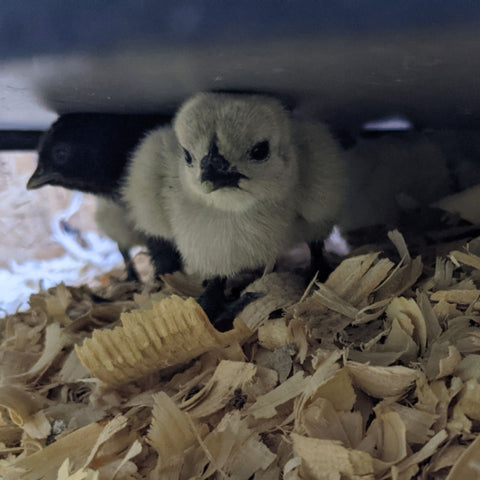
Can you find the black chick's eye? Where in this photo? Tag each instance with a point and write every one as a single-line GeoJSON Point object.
{"type": "Point", "coordinates": [188, 157]}
{"type": "Point", "coordinates": [61, 154]}
{"type": "Point", "coordinates": [260, 151]}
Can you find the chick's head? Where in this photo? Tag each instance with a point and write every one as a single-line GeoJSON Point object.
{"type": "Point", "coordinates": [76, 153]}
{"type": "Point", "coordinates": [237, 150]}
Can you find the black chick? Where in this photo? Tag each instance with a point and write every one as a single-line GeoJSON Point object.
{"type": "Point", "coordinates": [89, 152]}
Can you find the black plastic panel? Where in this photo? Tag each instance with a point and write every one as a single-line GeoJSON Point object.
{"type": "Point", "coordinates": [344, 61]}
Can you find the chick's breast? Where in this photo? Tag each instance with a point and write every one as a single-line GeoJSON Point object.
{"type": "Point", "coordinates": [214, 242]}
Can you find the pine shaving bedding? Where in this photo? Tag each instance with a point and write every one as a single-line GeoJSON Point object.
{"type": "Point", "coordinates": [374, 374]}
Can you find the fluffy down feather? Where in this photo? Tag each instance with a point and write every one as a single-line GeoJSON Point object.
{"type": "Point", "coordinates": [235, 182]}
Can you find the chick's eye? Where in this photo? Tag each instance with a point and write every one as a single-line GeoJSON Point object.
{"type": "Point", "coordinates": [188, 157]}
{"type": "Point", "coordinates": [260, 151]}
{"type": "Point", "coordinates": [61, 154]}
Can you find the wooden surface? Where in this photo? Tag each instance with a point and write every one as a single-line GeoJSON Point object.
{"type": "Point", "coordinates": [25, 218]}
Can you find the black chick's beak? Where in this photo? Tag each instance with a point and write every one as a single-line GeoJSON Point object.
{"type": "Point", "coordinates": [40, 178]}
{"type": "Point", "coordinates": [216, 171]}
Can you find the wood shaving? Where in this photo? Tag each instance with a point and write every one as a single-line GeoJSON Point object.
{"type": "Point", "coordinates": [468, 465]}
{"type": "Point", "coordinates": [170, 434]}
{"type": "Point", "coordinates": [382, 382]}
{"type": "Point", "coordinates": [335, 462]}
{"type": "Point", "coordinates": [173, 332]}
{"type": "Point", "coordinates": [373, 374]}
{"type": "Point", "coordinates": [278, 291]}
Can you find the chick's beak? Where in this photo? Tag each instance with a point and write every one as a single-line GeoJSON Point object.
{"type": "Point", "coordinates": [40, 178]}
{"type": "Point", "coordinates": [217, 172]}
